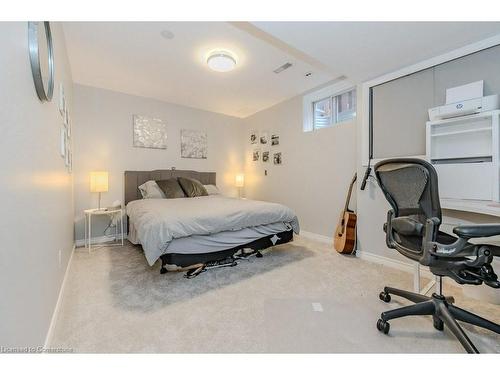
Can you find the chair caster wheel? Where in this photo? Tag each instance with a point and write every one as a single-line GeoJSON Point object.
{"type": "Point", "coordinates": [163, 270]}
{"type": "Point", "coordinates": [386, 297]}
{"type": "Point", "coordinates": [383, 326]}
{"type": "Point", "coordinates": [259, 254]}
{"type": "Point", "coordinates": [438, 324]}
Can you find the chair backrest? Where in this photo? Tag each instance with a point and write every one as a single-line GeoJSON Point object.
{"type": "Point", "coordinates": [411, 187]}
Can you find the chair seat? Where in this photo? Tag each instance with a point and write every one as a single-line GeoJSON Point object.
{"type": "Point", "coordinates": [480, 230]}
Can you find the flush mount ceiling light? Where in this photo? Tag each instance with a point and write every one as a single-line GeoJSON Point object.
{"type": "Point", "coordinates": [221, 61]}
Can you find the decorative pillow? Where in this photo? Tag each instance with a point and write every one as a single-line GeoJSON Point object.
{"type": "Point", "coordinates": [211, 189]}
{"type": "Point", "coordinates": [171, 188]}
{"type": "Point", "coordinates": [192, 187]}
{"type": "Point", "coordinates": [150, 190]}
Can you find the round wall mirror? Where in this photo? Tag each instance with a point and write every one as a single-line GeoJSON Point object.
{"type": "Point", "coordinates": [41, 58]}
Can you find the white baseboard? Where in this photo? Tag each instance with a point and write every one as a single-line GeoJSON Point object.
{"type": "Point", "coordinates": [53, 321]}
{"type": "Point", "coordinates": [393, 263]}
{"type": "Point", "coordinates": [317, 237]}
{"type": "Point", "coordinates": [371, 257]}
{"type": "Point", "coordinates": [98, 240]}
{"type": "Point", "coordinates": [379, 259]}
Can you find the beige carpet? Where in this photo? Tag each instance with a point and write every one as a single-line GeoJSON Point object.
{"type": "Point", "coordinates": [301, 297]}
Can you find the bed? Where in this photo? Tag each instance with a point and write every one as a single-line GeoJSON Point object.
{"type": "Point", "coordinates": [205, 230]}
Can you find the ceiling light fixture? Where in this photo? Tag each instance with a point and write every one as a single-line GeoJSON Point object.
{"type": "Point", "coordinates": [221, 61]}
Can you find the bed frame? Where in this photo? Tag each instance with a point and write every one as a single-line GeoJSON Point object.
{"type": "Point", "coordinates": [133, 179]}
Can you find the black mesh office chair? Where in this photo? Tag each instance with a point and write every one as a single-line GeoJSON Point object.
{"type": "Point", "coordinates": [412, 228]}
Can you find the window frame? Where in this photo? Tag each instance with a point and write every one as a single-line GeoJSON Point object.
{"type": "Point", "coordinates": [332, 114]}
{"type": "Point", "coordinates": [330, 92]}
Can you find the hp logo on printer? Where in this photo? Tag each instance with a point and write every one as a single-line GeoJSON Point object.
{"type": "Point", "coordinates": [460, 106]}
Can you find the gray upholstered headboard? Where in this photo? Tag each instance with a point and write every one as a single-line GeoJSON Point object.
{"type": "Point", "coordinates": [133, 179]}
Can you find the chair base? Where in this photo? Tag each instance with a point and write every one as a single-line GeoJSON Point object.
{"type": "Point", "coordinates": [441, 309]}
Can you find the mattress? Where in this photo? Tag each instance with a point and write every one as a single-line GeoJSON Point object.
{"type": "Point", "coordinates": [200, 244]}
{"type": "Point", "coordinates": [203, 224]}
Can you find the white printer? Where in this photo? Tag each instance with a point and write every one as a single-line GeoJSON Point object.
{"type": "Point", "coordinates": [465, 107]}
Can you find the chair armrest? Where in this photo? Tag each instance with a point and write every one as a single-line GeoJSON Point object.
{"type": "Point", "coordinates": [476, 231]}
{"type": "Point", "coordinates": [407, 226]}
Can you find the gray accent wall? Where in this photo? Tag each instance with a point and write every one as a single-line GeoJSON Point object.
{"type": "Point", "coordinates": [399, 115]}
{"type": "Point", "coordinates": [36, 225]}
{"type": "Point", "coordinates": [400, 106]}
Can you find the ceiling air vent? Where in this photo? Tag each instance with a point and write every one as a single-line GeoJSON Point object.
{"type": "Point", "coordinates": [282, 67]}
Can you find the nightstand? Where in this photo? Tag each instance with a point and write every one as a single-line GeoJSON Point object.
{"type": "Point", "coordinates": [112, 213]}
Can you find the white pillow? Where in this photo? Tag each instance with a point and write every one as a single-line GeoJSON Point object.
{"type": "Point", "coordinates": [151, 190]}
{"type": "Point", "coordinates": [212, 189]}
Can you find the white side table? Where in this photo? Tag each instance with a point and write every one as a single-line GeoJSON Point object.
{"type": "Point", "coordinates": [96, 212]}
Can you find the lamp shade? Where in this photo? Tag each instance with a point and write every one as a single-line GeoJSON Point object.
{"type": "Point", "coordinates": [98, 182]}
{"type": "Point", "coordinates": [239, 180]}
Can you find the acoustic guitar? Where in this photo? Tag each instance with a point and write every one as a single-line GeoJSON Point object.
{"type": "Point", "coordinates": [345, 234]}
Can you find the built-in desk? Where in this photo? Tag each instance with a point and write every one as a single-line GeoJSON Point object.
{"type": "Point", "coordinates": [464, 212]}
{"type": "Point", "coordinates": [467, 211]}
{"type": "Point", "coordinates": [473, 206]}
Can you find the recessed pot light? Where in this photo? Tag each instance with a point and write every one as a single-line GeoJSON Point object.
{"type": "Point", "coordinates": [167, 34]}
{"type": "Point", "coordinates": [221, 61]}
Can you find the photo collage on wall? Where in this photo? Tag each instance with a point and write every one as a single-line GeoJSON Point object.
{"type": "Point", "coordinates": [65, 148]}
{"type": "Point", "coordinates": [265, 147]}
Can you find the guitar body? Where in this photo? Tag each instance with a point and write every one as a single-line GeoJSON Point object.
{"type": "Point", "coordinates": [345, 235]}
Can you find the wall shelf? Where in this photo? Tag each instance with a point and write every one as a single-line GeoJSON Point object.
{"type": "Point", "coordinates": [488, 128]}
{"type": "Point", "coordinates": [465, 152]}
{"type": "Point", "coordinates": [465, 119]}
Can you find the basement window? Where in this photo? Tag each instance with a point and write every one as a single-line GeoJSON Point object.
{"type": "Point", "coordinates": [329, 106]}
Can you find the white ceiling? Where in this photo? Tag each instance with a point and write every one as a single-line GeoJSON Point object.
{"type": "Point", "coordinates": [365, 50]}
{"type": "Point", "coordinates": [133, 57]}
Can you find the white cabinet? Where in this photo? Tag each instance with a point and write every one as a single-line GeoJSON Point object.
{"type": "Point", "coordinates": [465, 153]}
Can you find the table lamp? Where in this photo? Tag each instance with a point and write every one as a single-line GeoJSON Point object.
{"type": "Point", "coordinates": [99, 183]}
{"type": "Point", "coordinates": [239, 182]}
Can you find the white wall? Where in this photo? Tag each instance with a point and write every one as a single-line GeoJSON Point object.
{"type": "Point", "coordinates": [316, 171]}
{"type": "Point", "coordinates": [104, 142]}
{"type": "Point", "coordinates": [36, 192]}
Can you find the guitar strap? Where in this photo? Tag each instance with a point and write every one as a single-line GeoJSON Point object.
{"type": "Point", "coordinates": [370, 139]}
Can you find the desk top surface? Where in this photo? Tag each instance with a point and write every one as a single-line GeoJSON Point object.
{"type": "Point", "coordinates": [475, 206]}
{"type": "Point", "coordinates": [102, 211]}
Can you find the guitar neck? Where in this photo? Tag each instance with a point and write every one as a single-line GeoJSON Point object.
{"type": "Point", "coordinates": [348, 198]}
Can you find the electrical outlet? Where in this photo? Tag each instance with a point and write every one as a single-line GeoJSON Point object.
{"type": "Point", "coordinates": [316, 306]}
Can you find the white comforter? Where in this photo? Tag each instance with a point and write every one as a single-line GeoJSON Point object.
{"type": "Point", "coordinates": [159, 221]}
